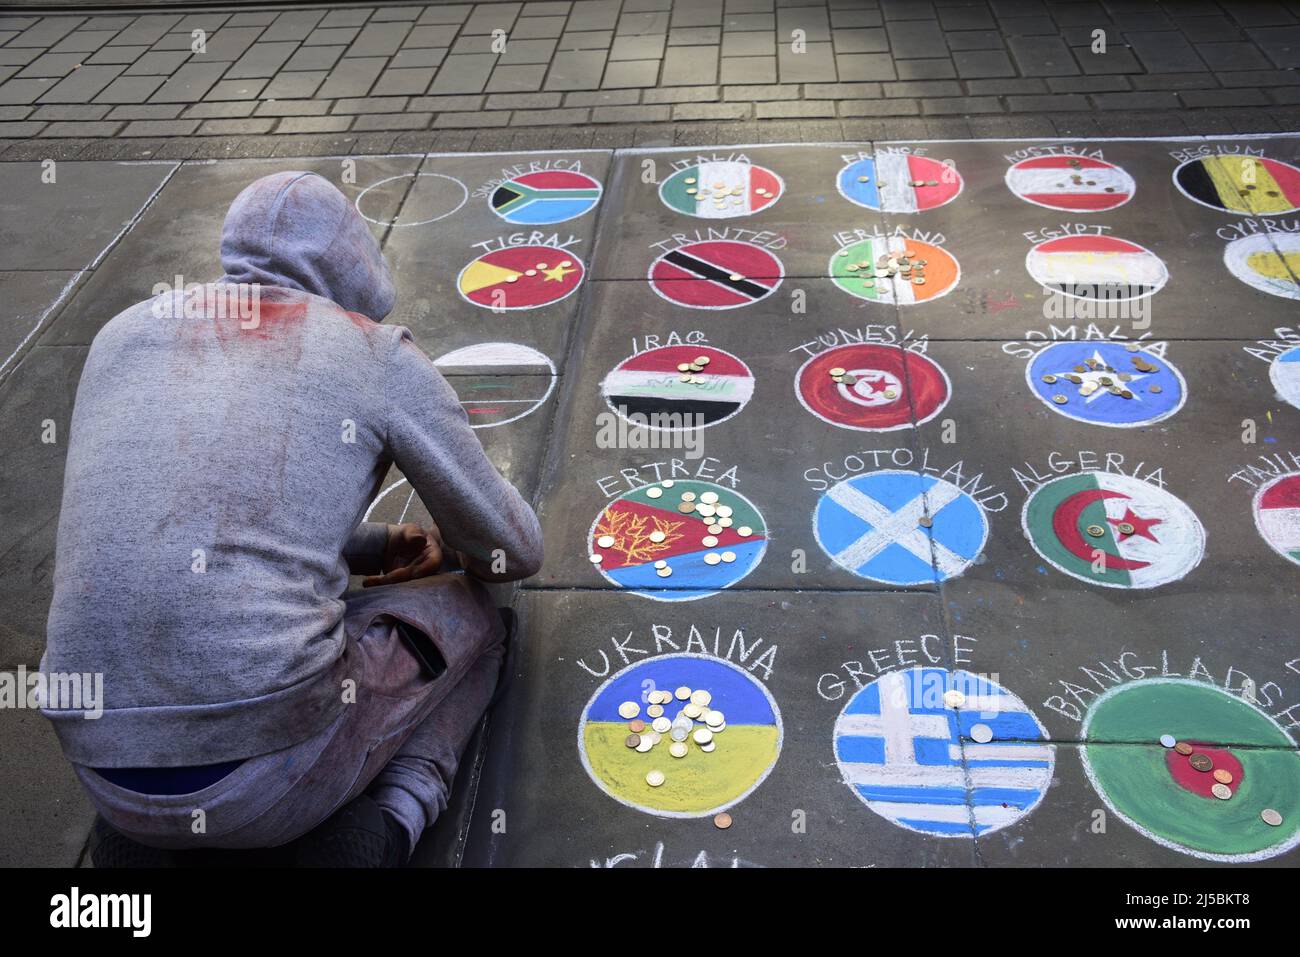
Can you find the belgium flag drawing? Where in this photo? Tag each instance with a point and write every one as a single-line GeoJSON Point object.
{"type": "Point", "coordinates": [1241, 184]}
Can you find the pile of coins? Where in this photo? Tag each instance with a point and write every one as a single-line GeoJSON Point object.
{"type": "Point", "coordinates": [1222, 777]}
{"type": "Point", "coordinates": [844, 377]}
{"type": "Point", "coordinates": [904, 266]}
{"type": "Point", "coordinates": [691, 370]}
{"type": "Point", "coordinates": [1076, 178]}
{"type": "Point", "coordinates": [539, 268]}
{"type": "Point", "coordinates": [1113, 381]}
{"type": "Point", "coordinates": [721, 193]}
{"type": "Point", "coordinates": [695, 722]}
{"type": "Point", "coordinates": [913, 183]}
{"type": "Point", "coordinates": [707, 508]}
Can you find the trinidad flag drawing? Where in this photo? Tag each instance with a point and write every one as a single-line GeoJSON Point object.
{"type": "Point", "coordinates": [899, 183]}
{"type": "Point", "coordinates": [716, 274]}
{"type": "Point", "coordinates": [1240, 184]}
{"type": "Point", "coordinates": [1097, 267]}
{"type": "Point", "coordinates": [1078, 184]}
{"type": "Point", "coordinates": [650, 384]}
{"type": "Point", "coordinates": [547, 196]}
{"type": "Point", "coordinates": [721, 190]}
{"type": "Point", "coordinates": [520, 277]}
{"type": "Point", "coordinates": [1277, 515]}
{"type": "Point", "coordinates": [646, 541]}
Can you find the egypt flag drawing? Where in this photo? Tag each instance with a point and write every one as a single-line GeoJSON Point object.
{"type": "Point", "coordinates": [881, 389]}
{"type": "Point", "coordinates": [716, 274]}
{"type": "Point", "coordinates": [545, 196]}
{"type": "Point", "coordinates": [943, 753]}
{"type": "Point", "coordinates": [1240, 184]}
{"type": "Point", "coordinates": [858, 270]}
{"type": "Point", "coordinates": [677, 540]}
{"type": "Point", "coordinates": [1104, 268]}
{"type": "Point", "coordinates": [1269, 262]}
{"type": "Point", "coordinates": [1077, 184]}
{"type": "Point", "coordinates": [520, 277]}
{"type": "Point", "coordinates": [721, 190]}
{"type": "Point", "coordinates": [1277, 515]}
{"type": "Point", "coordinates": [651, 384]}
{"type": "Point", "coordinates": [1113, 530]}
{"type": "Point", "coordinates": [899, 183]}
{"type": "Point", "coordinates": [1284, 373]}
{"type": "Point", "coordinates": [498, 382]}
{"type": "Point", "coordinates": [1159, 792]}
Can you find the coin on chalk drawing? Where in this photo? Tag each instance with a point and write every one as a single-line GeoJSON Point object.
{"type": "Point", "coordinates": [1201, 762]}
{"type": "Point", "coordinates": [722, 821]}
{"type": "Point", "coordinates": [1246, 185]}
{"type": "Point", "coordinates": [1222, 776]}
{"type": "Point", "coordinates": [678, 749]}
{"type": "Point", "coordinates": [654, 778]}
{"type": "Point", "coordinates": [629, 709]}
{"type": "Point", "coordinates": [1271, 817]}
{"type": "Point", "coordinates": [1047, 181]}
{"type": "Point", "coordinates": [1221, 791]}
{"type": "Point", "coordinates": [1167, 740]}
{"type": "Point", "coordinates": [981, 733]}
{"type": "Point", "coordinates": [510, 278]}
{"type": "Point", "coordinates": [893, 388]}
{"type": "Point", "coordinates": [755, 187]}
{"type": "Point", "coordinates": [661, 724]}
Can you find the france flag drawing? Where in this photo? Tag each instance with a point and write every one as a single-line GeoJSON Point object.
{"type": "Point", "coordinates": [946, 753]}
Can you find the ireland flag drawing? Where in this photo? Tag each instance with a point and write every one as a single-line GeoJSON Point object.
{"type": "Point", "coordinates": [1113, 530]}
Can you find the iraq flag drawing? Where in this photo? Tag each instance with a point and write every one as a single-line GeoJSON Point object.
{"type": "Point", "coordinates": [651, 384]}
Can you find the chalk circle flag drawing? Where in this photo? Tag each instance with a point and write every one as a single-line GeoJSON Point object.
{"type": "Point", "coordinates": [721, 190]}
{"type": "Point", "coordinates": [716, 274]}
{"type": "Point", "coordinates": [677, 540]}
{"type": "Point", "coordinates": [1093, 377]}
{"type": "Point", "coordinates": [1113, 530]}
{"type": "Point", "coordinates": [1284, 373]}
{"type": "Point", "coordinates": [520, 277]}
{"type": "Point", "coordinates": [1269, 262]}
{"type": "Point", "coordinates": [1076, 184]}
{"type": "Point", "coordinates": [651, 384]}
{"type": "Point", "coordinates": [431, 197]}
{"type": "Point", "coordinates": [1103, 268]}
{"type": "Point", "coordinates": [874, 525]}
{"type": "Point", "coordinates": [1240, 184]}
{"type": "Point", "coordinates": [882, 387]}
{"type": "Point", "coordinates": [861, 270]}
{"type": "Point", "coordinates": [1158, 792]}
{"type": "Point", "coordinates": [904, 746]}
{"type": "Point", "coordinates": [545, 196]}
{"type": "Point", "coordinates": [1277, 515]}
{"type": "Point", "coordinates": [498, 382]}
{"type": "Point", "coordinates": [746, 736]}
{"type": "Point", "coordinates": [899, 183]}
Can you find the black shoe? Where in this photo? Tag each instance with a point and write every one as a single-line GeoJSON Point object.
{"type": "Point", "coordinates": [510, 657]}
{"type": "Point", "coordinates": [112, 849]}
{"type": "Point", "coordinates": [359, 834]}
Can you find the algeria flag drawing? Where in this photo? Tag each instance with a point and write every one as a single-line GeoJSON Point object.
{"type": "Point", "coordinates": [1277, 515]}
{"type": "Point", "coordinates": [1113, 530]}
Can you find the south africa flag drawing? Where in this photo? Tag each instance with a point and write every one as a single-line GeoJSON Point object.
{"type": "Point", "coordinates": [650, 384]}
{"type": "Point", "coordinates": [899, 183]}
{"type": "Point", "coordinates": [1113, 530]}
{"type": "Point", "coordinates": [1104, 268]}
{"type": "Point", "coordinates": [677, 540]}
{"type": "Point", "coordinates": [1168, 795]}
{"type": "Point", "coordinates": [904, 746]}
{"type": "Point", "coordinates": [1077, 184]}
{"type": "Point", "coordinates": [721, 190]}
{"type": "Point", "coordinates": [1240, 184]}
{"type": "Point", "coordinates": [1083, 374]}
{"type": "Point", "coordinates": [1284, 373]}
{"type": "Point", "coordinates": [882, 388]}
{"type": "Point", "coordinates": [520, 277]}
{"type": "Point", "coordinates": [859, 269]}
{"type": "Point", "coordinates": [1269, 262]}
{"type": "Point", "coordinates": [717, 274]}
{"type": "Point", "coordinates": [1277, 515]}
{"type": "Point", "coordinates": [739, 752]}
{"type": "Point", "coordinates": [546, 196]}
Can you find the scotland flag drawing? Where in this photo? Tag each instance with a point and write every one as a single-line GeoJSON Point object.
{"type": "Point", "coordinates": [946, 753]}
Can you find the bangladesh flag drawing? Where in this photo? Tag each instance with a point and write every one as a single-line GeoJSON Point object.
{"type": "Point", "coordinates": [1077, 184]}
{"type": "Point", "coordinates": [650, 383]}
{"type": "Point", "coordinates": [1097, 267]}
{"type": "Point", "coordinates": [1169, 796]}
{"type": "Point", "coordinates": [721, 190]}
{"type": "Point", "coordinates": [1113, 530]}
{"type": "Point", "coordinates": [1269, 262]}
{"type": "Point", "coordinates": [1240, 184]}
{"type": "Point", "coordinates": [546, 196]}
{"type": "Point", "coordinates": [856, 269]}
{"type": "Point", "coordinates": [1284, 373]}
{"type": "Point", "coordinates": [882, 388]}
{"type": "Point", "coordinates": [1277, 515]}
{"type": "Point", "coordinates": [899, 183]}
{"type": "Point", "coordinates": [718, 274]}
{"type": "Point", "coordinates": [520, 277]}
{"type": "Point", "coordinates": [745, 733]}
{"type": "Point", "coordinates": [677, 541]}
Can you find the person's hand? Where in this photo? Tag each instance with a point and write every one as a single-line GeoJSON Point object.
{"type": "Point", "coordinates": [412, 552]}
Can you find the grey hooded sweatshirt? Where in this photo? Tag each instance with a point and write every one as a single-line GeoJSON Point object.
{"type": "Point", "coordinates": [218, 467]}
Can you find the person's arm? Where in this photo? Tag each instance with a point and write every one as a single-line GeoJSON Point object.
{"type": "Point", "coordinates": [365, 547]}
{"type": "Point", "coordinates": [479, 514]}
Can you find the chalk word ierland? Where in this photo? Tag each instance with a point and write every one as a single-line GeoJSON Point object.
{"type": "Point", "coordinates": [897, 182]}
{"type": "Point", "coordinates": [1072, 182]}
{"type": "Point", "coordinates": [721, 189]}
{"type": "Point", "coordinates": [943, 753]}
{"type": "Point", "coordinates": [878, 388]}
{"type": "Point", "coordinates": [706, 748]}
{"type": "Point", "coordinates": [1106, 383]}
{"type": "Point", "coordinates": [1208, 793]}
{"type": "Point", "coordinates": [1113, 530]}
{"type": "Point", "coordinates": [498, 382]}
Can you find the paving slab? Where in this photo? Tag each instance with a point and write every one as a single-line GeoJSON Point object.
{"type": "Point", "coordinates": [45, 817]}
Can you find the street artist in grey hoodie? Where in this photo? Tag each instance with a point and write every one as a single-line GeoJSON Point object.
{"type": "Point", "coordinates": [218, 470]}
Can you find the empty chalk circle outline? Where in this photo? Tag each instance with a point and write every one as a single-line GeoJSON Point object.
{"type": "Point", "coordinates": [393, 223]}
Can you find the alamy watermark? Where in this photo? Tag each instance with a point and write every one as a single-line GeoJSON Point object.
{"type": "Point", "coordinates": [214, 300]}
{"type": "Point", "coordinates": [653, 430]}
{"type": "Point", "coordinates": [53, 691]}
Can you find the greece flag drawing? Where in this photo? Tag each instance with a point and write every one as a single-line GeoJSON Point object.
{"type": "Point", "coordinates": [905, 745]}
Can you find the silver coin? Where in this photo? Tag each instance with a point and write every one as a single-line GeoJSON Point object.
{"type": "Point", "coordinates": [1168, 740]}
{"type": "Point", "coordinates": [981, 734]}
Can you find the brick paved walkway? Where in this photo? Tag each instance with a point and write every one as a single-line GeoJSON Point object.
{"type": "Point", "coordinates": [613, 73]}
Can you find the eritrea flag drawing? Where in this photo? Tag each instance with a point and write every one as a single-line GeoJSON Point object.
{"type": "Point", "coordinates": [1077, 184]}
{"type": "Point", "coordinates": [899, 183]}
{"type": "Point", "coordinates": [545, 196]}
{"type": "Point", "coordinates": [1240, 184]}
{"type": "Point", "coordinates": [1158, 792]}
{"type": "Point", "coordinates": [650, 383]}
{"type": "Point", "coordinates": [520, 277]}
{"type": "Point", "coordinates": [1277, 515]}
{"type": "Point", "coordinates": [1113, 530]}
{"type": "Point", "coordinates": [721, 190]}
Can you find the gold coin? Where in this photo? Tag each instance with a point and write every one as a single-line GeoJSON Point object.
{"type": "Point", "coordinates": [744, 531]}
{"type": "Point", "coordinates": [954, 698]}
{"type": "Point", "coordinates": [715, 529]}
{"type": "Point", "coordinates": [654, 778]}
{"type": "Point", "coordinates": [691, 191]}
{"type": "Point", "coordinates": [1074, 378]}
{"type": "Point", "coordinates": [1096, 531]}
{"type": "Point", "coordinates": [725, 522]}
{"type": "Point", "coordinates": [682, 693]}
{"type": "Point", "coordinates": [1222, 776]}
{"type": "Point", "coordinates": [678, 749]}
{"type": "Point", "coordinates": [722, 821]}
{"type": "Point", "coordinates": [705, 511]}
{"type": "Point", "coordinates": [919, 281]}
{"type": "Point", "coordinates": [1049, 379]}
{"type": "Point", "coordinates": [1155, 389]}
{"type": "Point", "coordinates": [661, 725]}
{"type": "Point", "coordinates": [728, 557]}
{"type": "Point", "coordinates": [1182, 747]}
{"type": "Point", "coordinates": [838, 371]}
{"type": "Point", "coordinates": [709, 498]}
{"type": "Point", "coordinates": [1080, 368]}
{"type": "Point", "coordinates": [925, 521]}
{"type": "Point", "coordinates": [629, 709]}
{"type": "Point", "coordinates": [1125, 528]}
{"type": "Point", "coordinates": [688, 496]}
{"type": "Point", "coordinates": [686, 508]}
{"type": "Point", "coordinates": [655, 711]}
{"type": "Point", "coordinates": [702, 735]}
{"type": "Point", "coordinates": [712, 558]}
{"type": "Point", "coordinates": [690, 180]}
{"type": "Point", "coordinates": [596, 559]}
{"type": "Point", "coordinates": [851, 267]}
{"type": "Point", "coordinates": [605, 541]}
{"type": "Point", "coordinates": [725, 510]}
{"type": "Point", "coordinates": [667, 483]}
{"type": "Point", "coordinates": [664, 572]}
{"type": "Point", "coordinates": [692, 710]}
{"type": "Point", "coordinates": [700, 700]}
{"type": "Point", "coordinates": [1060, 399]}
{"type": "Point", "coordinates": [863, 179]}
{"type": "Point", "coordinates": [512, 278]}
{"type": "Point", "coordinates": [708, 541]}
{"type": "Point", "coordinates": [685, 378]}
{"type": "Point", "coordinates": [701, 360]}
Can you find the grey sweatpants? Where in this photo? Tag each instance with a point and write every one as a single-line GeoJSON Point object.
{"type": "Point", "coordinates": [399, 737]}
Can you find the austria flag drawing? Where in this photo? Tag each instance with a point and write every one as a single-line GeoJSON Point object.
{"type": "Point", "coordinates": [1077, 184]}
